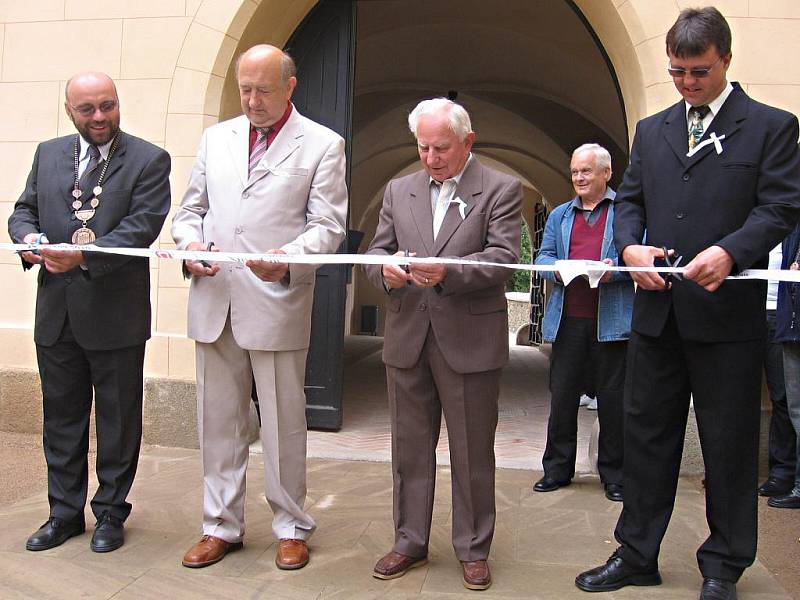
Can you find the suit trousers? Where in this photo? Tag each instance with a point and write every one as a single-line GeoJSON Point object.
{"type": "Point", "coordinates": [576, 351]}
{"type": "Point", "coordinates": [782, 438]}
{"type": "Point", "coordinates": [417, 398]}
{"type": "Point", "coordinates": [69, 374]}
{"type": "Point", "coordinates": [225, 374]}
{"type": "Point", "coordinates": [724, 380]}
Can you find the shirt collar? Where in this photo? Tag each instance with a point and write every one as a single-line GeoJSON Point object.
{"type": "Point", "coordinates": [457, 177]}
{"type": "Point", "coordinates": [277, 125]}
{"type": "Point", "coordinates": [609, 194]}
{"type": "Point", "coordinates": [716, 104]}
{"type": "Point", "coordinates": [85, 148]}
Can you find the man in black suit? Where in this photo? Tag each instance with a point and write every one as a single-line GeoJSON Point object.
{"type": "Point", "coordinates": [110, 188]}
{"type": "Point", "coordinates": [715, 179]}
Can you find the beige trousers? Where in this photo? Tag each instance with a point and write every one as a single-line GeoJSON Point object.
{"type": "Point", "coordinates": [224, 384]}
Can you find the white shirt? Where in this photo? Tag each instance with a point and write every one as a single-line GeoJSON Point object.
{"type": "Point", "coordinates": [775, 258]}
{"type": "Point", "coordinates": [441, 194]}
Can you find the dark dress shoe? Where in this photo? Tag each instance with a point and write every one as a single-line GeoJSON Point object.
{"type": "Point", "coordinates": [790, 500]}
{"type": "Point", "coordinates": [207, 551]}
{"type": "Point", "coordinates": [775, 487]}
{"type": "Point", "coordinates": [613, 575]}
{"type": "Point", "coordinates": [614, 492]}
{"type": "Point", "coordinates": [54, 533]}
{"type": "Point", "coordinates": [108, 534]}
{"type": "Point", "coordinates": [548, 484]}
{"type": "Point", "coordinates": [717, 589]}
{"type": "Point", "coordinates": [476, 574]}
{"type": "Point", "coordinates": [394, 565]}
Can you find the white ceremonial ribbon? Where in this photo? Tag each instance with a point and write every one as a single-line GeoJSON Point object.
{"type": "Point", "coordinates": [713, 138]}
{"type": "Point", "coordinates": [569, 269]}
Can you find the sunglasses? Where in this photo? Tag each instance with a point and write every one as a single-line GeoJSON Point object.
{"type": "Point", "coordinates": [696, 73]}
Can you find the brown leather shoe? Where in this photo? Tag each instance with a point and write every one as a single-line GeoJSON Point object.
{"type": "Point", "coordinates": [292, 554]}
{"type": "Point", "coordinates": [207, 551]}
{"type": "Point", "coordinates": [476, 574]}
{"type": "Point", "coordinates": [395, 565]}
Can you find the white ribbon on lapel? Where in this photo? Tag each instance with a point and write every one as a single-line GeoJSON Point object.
{"type": "Point", "coordinates": [461, 206]}
{"type": "Point", "coordinates": [713, 138]}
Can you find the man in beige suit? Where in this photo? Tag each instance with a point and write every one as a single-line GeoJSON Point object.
{"type": "Point", "coordinates": [446, 336]}
{"type": "Point", "coordinates": [268, 181]}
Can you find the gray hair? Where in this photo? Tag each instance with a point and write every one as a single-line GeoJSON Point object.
{"type": "Point", "coordinates": [601, 155]}
{"type": "Point", "coordinates": [457, 116]}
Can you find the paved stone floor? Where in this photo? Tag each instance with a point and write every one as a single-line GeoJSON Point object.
{"type": "Point", "coordinates": [542, 540]}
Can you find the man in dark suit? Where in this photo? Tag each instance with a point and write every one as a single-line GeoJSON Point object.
{"type": "Point", "coordinates": [715, 179]}
{"type": "Point", "coordinates": [446, 336]}
{"type": "Point", "coordinates": [109, 188]}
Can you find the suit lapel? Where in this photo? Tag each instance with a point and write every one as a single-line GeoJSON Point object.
{"type": "Point", "coordinates": [420, 203]}
{"type": "Point", "coordinates": [239, 147]}
{"type": "Point", "coordinates": [676, 132]}
{"type": "Point", "coordinates": [471, 185]}
{"type": "Point", "coordinates": [117, 160]}
{"type": "Point", "coordinates": [65, 170]}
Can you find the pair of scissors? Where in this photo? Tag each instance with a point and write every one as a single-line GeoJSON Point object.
{"type": "Point", "coordinates": [671, 262]}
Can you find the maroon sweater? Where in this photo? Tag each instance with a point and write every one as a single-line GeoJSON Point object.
{"type": "Point", "coordinates": [586, 242]}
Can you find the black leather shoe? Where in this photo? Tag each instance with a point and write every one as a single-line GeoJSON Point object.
{"type": "Point", "coordinates": [108, 534]}
{"type": "Point", "coordinates": [790, 500]}
{"type": "Point", "coordinates": [775, 487]}
{"type": "Point", "coordinates": [717, 589]}
{"type": "Point", "coordinates": [53, 533]}
{"type": "Point", "coordinates": [614, 492]}
{"type": "Point", "coordinates": [548, 484]}
{"type": "Point", "coordinates": [613, 575]}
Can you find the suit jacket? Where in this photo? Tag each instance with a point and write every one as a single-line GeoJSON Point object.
{"type": "Point", "coordinates": [745, 199]}
{"type": "Point", "coordinates": [468, 310]}
{"type": "Point", "coordinates": [108, 303]}
{"type": "Point", "coordinates": [295, 199]}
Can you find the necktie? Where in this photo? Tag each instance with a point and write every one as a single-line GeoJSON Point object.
{"type": "Point", "coordinates": [259, 148]}
{"type": "Point", "coordinates": [89, 177]}
{"type": "Point", "coordinates": [696, 116]}
{"type": "Point", "coordinates": [442, 202]}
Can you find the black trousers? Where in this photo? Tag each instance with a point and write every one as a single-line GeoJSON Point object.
{"type": "Point", "coordinates": [724, 380]}
{"type": "Point", "coordinates": [782, 438]}
{"type": "Point", "coordinates": [576, 354]}
{"type": "Point", "coordinates": [69, 373]}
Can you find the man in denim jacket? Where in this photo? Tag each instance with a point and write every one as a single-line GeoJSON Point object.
{"type": "Point", "coordinates": [587, 326]}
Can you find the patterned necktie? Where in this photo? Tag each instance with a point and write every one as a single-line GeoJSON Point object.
{"type": "Point", "coordinates": [446, 190]}
{"type": "Point", "coordinates": [259, 148]}
{"type": "Point", "coordinates": [696, 116]}
{"type": "Point", "coordinates": [87, 180]}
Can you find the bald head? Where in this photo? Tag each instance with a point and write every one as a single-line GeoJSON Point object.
{"type": "Point", "coordinates": [266, 79]}
{"type": "Point", "coordinates": [266, 54]}
{"type": "Point", "coordinates": [93, 106]}
{"type": "Point", "coordinates": [92, 80]}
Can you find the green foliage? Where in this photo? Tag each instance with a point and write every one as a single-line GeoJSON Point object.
{"type": "Point", "coordinates": [521, 280]}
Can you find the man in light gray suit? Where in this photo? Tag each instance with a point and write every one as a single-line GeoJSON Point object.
{"type": "Point", "coordinates": [269, 181]}
{"type": "Point", "coordinates": [446, 334]}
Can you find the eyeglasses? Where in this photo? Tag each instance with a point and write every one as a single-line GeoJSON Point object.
{"type": "Point", "coordinates": [87, 110]}
{"type": "Point", "coordinates": [696, 73]}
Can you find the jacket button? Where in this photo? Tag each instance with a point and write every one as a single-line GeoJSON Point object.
{"type": "Point", "coordinates": [679, 216]}
{"type": "Point", "coordinates": [238, 230]}
{"type": "Point", "coordinates": [423, 307]}
{"type": "Point", "coordinates": [686, 177]}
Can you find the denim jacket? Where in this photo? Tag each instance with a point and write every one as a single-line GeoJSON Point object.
{"type": "Point", "coordinates": [615, 304]}
{"type": "Point", "coordinates": [787, 317]}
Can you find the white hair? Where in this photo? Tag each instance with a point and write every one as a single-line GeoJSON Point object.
{"type": "Point", "coordinates": [601, 155]}
{"type": "Point", "coordinates": [457, 116]}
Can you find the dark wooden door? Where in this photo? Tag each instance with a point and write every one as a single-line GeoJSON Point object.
{"type": "Point", "coordinates": [323, 47]}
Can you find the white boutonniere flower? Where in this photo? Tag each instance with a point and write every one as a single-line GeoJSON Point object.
{"type": "Point", "coordinates": [461, 206]}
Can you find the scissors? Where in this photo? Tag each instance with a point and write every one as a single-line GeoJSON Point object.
{"type": "Point", "coordinates": [671, 262]}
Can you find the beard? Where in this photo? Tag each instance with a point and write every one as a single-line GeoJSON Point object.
{"type": "Point", "coordinates": [98, 138]}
